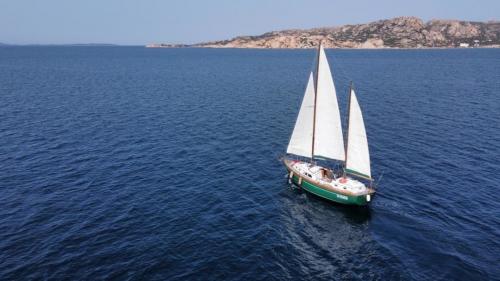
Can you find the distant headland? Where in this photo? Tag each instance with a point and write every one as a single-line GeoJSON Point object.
{"type": "Point", "coordinates": [400, 32]}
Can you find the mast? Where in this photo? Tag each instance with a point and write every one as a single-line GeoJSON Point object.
{"type": "Point", "coordinates": [317, 133]}
{"type": "Point", "coordinates": [315, 99]}
{"type": "Point", "coordinates": [347, 130]}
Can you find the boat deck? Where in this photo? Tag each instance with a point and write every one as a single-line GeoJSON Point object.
{"type": "Point", "coordinates": [327, 178]}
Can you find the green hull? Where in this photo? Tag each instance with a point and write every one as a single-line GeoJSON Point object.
{"type": "Point", "coordinates": [360, 200]}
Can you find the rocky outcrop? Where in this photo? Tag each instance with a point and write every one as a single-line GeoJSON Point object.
{"type": "Point", "coordinates": [401, 32]}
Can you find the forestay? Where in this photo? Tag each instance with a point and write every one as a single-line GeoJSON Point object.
{"type": "Point", "coordinates": [358, 156]}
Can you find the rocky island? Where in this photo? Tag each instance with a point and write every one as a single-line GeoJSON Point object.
{"type": "Point", "coordinates": [401, 32]}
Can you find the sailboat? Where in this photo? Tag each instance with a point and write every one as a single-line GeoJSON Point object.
{"type": "Point", "coordinates": [317, 137]}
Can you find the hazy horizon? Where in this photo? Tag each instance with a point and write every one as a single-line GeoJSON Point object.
{"type": "Point", "coordinates": [128, 22]}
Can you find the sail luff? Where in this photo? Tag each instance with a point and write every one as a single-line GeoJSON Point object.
{"type": "Point", "coordinates": [358, 155]}
{"type": "Point", "coordinates": [328, 141]}
{"type": "Point", "coordinates": [301, 140]}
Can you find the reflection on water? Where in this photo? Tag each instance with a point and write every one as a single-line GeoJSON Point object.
{"type": "Point", "coordinates": [354, 214]}
{"type": "Point", "coordinates": [325, 236]}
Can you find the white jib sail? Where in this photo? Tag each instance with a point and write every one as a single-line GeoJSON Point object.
{"type": "Point", "coordinates": [358, 156]}
{"type": "Point", "coordinates": [301, 140]}
{"type": "Point", "coordinates": [329, 142]}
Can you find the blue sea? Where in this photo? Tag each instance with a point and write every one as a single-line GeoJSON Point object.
{"type": "Point", "coordinates": [128, 163]}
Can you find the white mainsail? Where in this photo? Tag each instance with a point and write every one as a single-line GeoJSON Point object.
{"type": "Point", "coordinates": [301, 140]}
{"type": "Point", "coordinates": [328, 139]}
{"type": "Point", "coordinates": [358, 156]}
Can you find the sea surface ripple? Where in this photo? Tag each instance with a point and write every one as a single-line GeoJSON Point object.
{"type": "Point", "coordinates": [130, 163]}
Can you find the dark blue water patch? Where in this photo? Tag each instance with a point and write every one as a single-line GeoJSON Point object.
{"type": "Point", "coordinates": [134, 163]}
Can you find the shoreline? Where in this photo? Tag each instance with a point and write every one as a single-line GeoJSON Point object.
{"type": "Point", "coordinates": [253, 48]}
{"type": "Point", "coordinates": [383, 48]}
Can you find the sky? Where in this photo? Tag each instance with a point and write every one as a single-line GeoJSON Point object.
{"type": "Point", "coordinates": [138, 22]}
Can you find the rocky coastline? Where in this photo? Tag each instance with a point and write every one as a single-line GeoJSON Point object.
{"type": "Point", "coordinates": [400, 32]}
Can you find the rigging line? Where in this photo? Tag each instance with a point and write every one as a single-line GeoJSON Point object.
{"type": "Point", "coordinates": [342, 81]}
{"type": "Point", "coordinates": [344, 73]}
{"type": "Point", "coordinates": [341, 72]}
{"type": "Point", "coordinates": [341, 66]}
